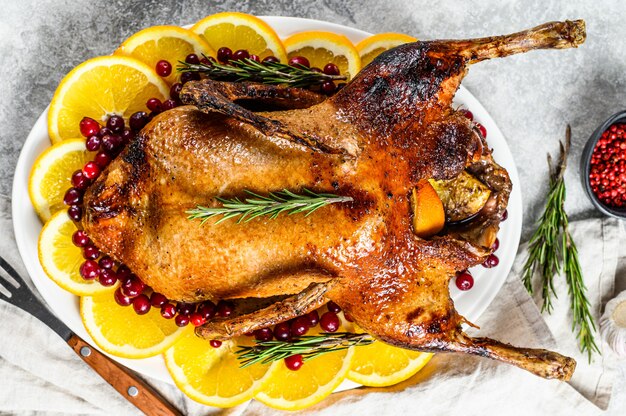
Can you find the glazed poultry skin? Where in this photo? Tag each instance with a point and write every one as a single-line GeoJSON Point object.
{"type": "Point", "coordinates": [390, 127]}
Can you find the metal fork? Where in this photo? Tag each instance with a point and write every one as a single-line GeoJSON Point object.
{"type": "Point", "coordinates": [145, 398]}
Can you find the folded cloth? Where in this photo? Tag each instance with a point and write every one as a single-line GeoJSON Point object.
{"type": "Point", "coordinates": [41, 375]}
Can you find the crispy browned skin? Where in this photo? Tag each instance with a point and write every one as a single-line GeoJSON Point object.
{"type": "Point", "coordinates": [374, 140]}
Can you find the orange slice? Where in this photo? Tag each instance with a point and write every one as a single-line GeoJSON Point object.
{"type": "Point", "coordinates": [321, 48]}
{"type": "Point", "coordinates": [61, 259]}
{"type": "Point", "coordinates": [121, 332]}
{"type": "Point", "coordinates": [428, 213]}
{"type": "Point", "coordinates": [370, 48]}
{"type": "Point", "coordinates": [171, 43]}
{"type": "Point", "coordinates": [240, 31]}
{"type": "Point", "coordinates": [100, 87]}
{"type": "Point", "coordinates": [212, 376]}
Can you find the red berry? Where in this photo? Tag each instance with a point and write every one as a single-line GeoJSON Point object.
{"type": "Point", "coordinates": [132, 287]}
{"type": "Point", "coordinates": [89, 126]}
{"type": "Point", "coordinates": [93, 143]}
{"type": "Point", "coordinates": [300, 326]}
{"type": "Point", "coordinates": [240, 54]}
{"type": "Point", "coordinates": [91, 252]}
{"type": "Point", "coordinates": [75, 213]}
{"type": "Point", "coordinates": [182, 320]}
{"type": "Point", "coordinates": [73, 197]}
{"type": "Point", "coordinates": [102, 159]}
{"type": "Point", "coordinates": [141, 304]}
{"type": "Point", "coordinates": [255, 58]}
{"type": "Point", "coordinates": [175, 91]}
{"type": "Point", "coordinates": [331, 69]}
{"type": "Point", "coordinates": [196, 319]}
{"type": "Point", "coordinates": [483, 130]}
{"type": "Point", "coordinates": [91, 170]}
{"type": "Point", "coordinates": [224, 54]}
{"type": "Point", "coordinates": [464, 280]}
{"type": "Point", "coordinates": [89, 270]}
{"type": "Point", "coordinates": [294, 362]}
{"type": "Point", "coordinates": [333, 307]}
{"type": "Point", "coordinates": [505, 215]}
{"type": "Point", "coordinates": [299, 61]}
{"type": "Point", "coordinates": [314, 318]}
{"type": "Point", "coordinates": [138, 120]}
{"type": "Point", "coordinates": [468, 114]}
{"type": "Point", "coordinates": [107, 277]}
{"type": "Point", "coordinates": [215, 343]}
{"type": "Point", "coordinates": [192, 58]}
{"type": "Point", "coordinates": [79, 180]}
{"type": "Point", "coordinates": [80, 239]}
{"type": "Point", "coordinates": [121, 298]}
{"type": "Point", "coordinates": [104, 131]}
{"type": "Point", "coordinates": [185, 308]}
{"type": "Point", "coordinates": [207, 309]}
{"type": "Point", "coordinates": [163, 68]}
{"type": "Point", "coordinates": [329, 322]}
{"type": "Point", "coordinates": [168, 311]}
{"type": "Point", "coordinates": [495, 245]}
{"type": "Point", "coordinates": [491, 261]}
{"type": "Point", "coordinates": [270, 59]}
{"type": "Point", "coordinates": [189, 76]}
{"type": "Point", "coordinates": [154, 104]}
{"type": "Point", "coordinates": [263, 334]}
{"type": "Point", "coordinates": [224, 309]}
{"type": "Point", "coordinates": [328, 87]}
{"type": "Point", "coordinates": [123, 272]}
{"type": "Point", "coordinates": [282, 331]}
{"type": "Point", "coordinates": [168, 105]}
{"type": "Point", "coordinates": [348, 317]}
{"type": "Point", "coordinates": [116, 124]}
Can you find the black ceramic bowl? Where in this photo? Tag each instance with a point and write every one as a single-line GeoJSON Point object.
{"type": "Point", "coordinates": [585, 165]}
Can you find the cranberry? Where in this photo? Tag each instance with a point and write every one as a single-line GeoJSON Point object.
{"type": "Point", "coordinates": [163, 68]}
{"type": "Point", "coordinates": [270, 60]}
{"type": "Point", "coordinates": [75, 213]}
{"type": "Point", "coordinates": [106, 262]}
{"type": "Point", "coordinates": [263, 334]}
{"type": "Point", "coordinates": [138, 120]}
{"type": "Point", "coordinates": [126, 136]}
{"type": "Point", "coordinates": [208, 60]}
{"type": "Point", "coordinates": [316, 69]}
{"type": "Point", "coordinates": [80, 239]}
{"type": "Point", "coordinates": [329, 322]}
{"type": "Point", "coordinates": [104, 131]}
{"type": "Point", "coordinates": [333, 307]}
{"type": "Point", "coordinates": [300, 326]}
{"type": "Point", "coordinates": [207, 309]}
{"type": "Point", "coordinates": [182, 320]}
{"type": "Point", "coordinates": [107, 277]}
{"type": "Point", "coordinates": [123, 272]}
{"type": "Point", "coordinates": [168, 105]}
{"type": "Point", "coordinates": [192, 58]}
{"type": "Point", "coordinates": [89, 126]}
{"type": "Point", "coordinates": [224, 54]}
{"type": "Point", "coordinates": [348, 317]}
{"type": "Point", "coordinates": [505, 215]}
{"type": "Point", "coordinates": [468, 114]}
{"type": "Point", "coordinates": [89, 270]}
{"type": "Point", "coordinates": [102, 159]}
{"type": "Point", "coordinates": [141, 304]}
{"type": "Point", "coordinates": [111, 143]}
{"type": "Point", "coordinates": [154, 104]}
{"type": "Point", "coordinates": [175, 91]}
{"type": "Point", "coordinates": [224, 309]}
{"type": "Point", "coordinates": [314, 318]}
{"type": "Point", "coordinates": [185, 308]}
{"type": "Point", "coordinates": [483, 130]}
{"type": "Point", "coordinates": [299, 61]}
{"type": "Point", "coordinates": [93, 143]}
{"type": "Point", "coordinates": [196, 319]}
{"type": "Point", "coordinates": [294, 362]}
{"type": "Point", "coordinates": [91, 170]}
{"type": "Point", "coordinates": [464, 280]}
{"type": "Point", "coordinates": [115, 123]}
{"type": "Point", "coordinates": [328, 87]}
{"type": "Point", "coordinates": [255, 58]}
{"type": "Point", "coordinates": [121, 298]}
{"type": "Point", "coordinates": [240, 54]}
{"type": "Point", "coordinates": [132, 287]}
{"type": "Point", "coordinates": [188, 76]}
{"type": "Point", "coordinates": [168, 311]}
{"type": "Point", "coordinates": [79, 181]}
{"type": "Point", "coordinates": [91, 252]}
{"type": "Point", "coordinates": [215, 343]}
{"type": "Point", "coordinates": [491, 261]}
{"type": "Point", "coordinates": [495, 245]}
{"type": "Point", "coordinates": [282, 331]}
{"type": "Point", "coordinates": [157, 299]}
{"type": "Point", "coordinates": [331, 69]}
{"type": "Point", "coordinates": [73, 197]}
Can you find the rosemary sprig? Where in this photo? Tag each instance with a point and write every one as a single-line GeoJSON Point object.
{"type": "Point", "coordinates": [266, 73]}
{"type": "Point", "coordinates": [273, 205]}
{"type": "Point", "coordinates": [309, 346]}
{"type": "Point", "coordinates": [552, 250]}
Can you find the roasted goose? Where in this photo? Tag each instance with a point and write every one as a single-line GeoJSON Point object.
{"type": "Point", "coordinates": [389, 128]}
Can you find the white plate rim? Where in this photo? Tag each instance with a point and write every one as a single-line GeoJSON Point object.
{"type": "Point", "coordinates": [471, 303]}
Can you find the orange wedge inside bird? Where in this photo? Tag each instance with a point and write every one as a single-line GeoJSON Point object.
{"type": "Point", "coordinates": [428, 214]}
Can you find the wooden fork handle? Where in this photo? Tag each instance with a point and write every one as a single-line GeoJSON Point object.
{"type": "Point", "coordinates": [144, 397]}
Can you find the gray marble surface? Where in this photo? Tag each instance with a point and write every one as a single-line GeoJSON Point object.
{"type": "Point", "coordinates": [531, 97]}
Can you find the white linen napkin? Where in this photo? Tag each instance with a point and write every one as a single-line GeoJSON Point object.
{"type": "Point", "coordinates": [39, 374]}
